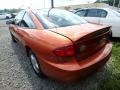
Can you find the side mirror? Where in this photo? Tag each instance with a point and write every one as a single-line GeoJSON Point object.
{"type": "Point", "coordinates": [10, 22]}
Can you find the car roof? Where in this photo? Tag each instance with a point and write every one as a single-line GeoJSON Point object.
{"type": "Point", "coordinates": [106, 9]}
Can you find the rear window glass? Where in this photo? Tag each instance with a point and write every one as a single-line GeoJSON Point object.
{"type": "Point", "coordinates": [58, 18]}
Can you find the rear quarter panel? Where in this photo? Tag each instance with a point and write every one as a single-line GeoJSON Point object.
{"type": "Point", "coordinates": [43, 42]}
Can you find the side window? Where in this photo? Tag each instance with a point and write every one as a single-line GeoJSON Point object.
{"type": "Point", "coordinates": [96, 13]}
{"type": "Point", "coordinates": [28, 21]}
{"type": "Point", "coordinates": [19, 17]}
{"type": "Point", "coordinates": [92, 13]}
{"type": "Point", "coordinates": [102, 13]}
{"type": "Point", "coordinates": [81, 13]}
{"type": "Point", "coordinates": [23, 24]}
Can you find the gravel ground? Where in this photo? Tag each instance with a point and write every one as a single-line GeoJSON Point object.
{"type": "Point", "coordinates": [16, 72]}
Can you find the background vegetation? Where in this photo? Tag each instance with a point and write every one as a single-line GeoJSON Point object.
{"type": "Point", "coordinates": [10, 10]}
{"type": "Point", "coordinates": [112, 80]}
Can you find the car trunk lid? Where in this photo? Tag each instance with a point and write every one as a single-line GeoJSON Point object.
{"type": "Point", "coordinates": [87, 38]}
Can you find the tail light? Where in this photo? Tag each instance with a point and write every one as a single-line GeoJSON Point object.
{"type": "Point", "coordinates": [64, 51]}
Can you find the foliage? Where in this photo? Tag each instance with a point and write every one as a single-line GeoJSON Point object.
{"type": "Point", "coordinates": [112, 80]}
{"type": "Point", "coordinates": [110, 2]}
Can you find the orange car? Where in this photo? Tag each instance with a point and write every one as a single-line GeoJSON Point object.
{"type": "Point", "coordinates": [60, 44]}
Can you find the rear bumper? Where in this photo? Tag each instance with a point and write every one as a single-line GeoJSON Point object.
{"type": "Point", "coordinates": [75, 70]}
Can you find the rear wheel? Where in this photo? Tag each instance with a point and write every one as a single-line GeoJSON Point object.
{"type": "Point", "coordinates": [35, 64]}
{"type": "Point", "coordinates": [7, 17]}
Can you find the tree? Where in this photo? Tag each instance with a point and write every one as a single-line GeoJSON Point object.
{"type": "Point", "coordinates": [110, 2]}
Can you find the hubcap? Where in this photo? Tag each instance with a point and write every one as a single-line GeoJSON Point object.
{"type": "Point", "coordinates": [34, 63]}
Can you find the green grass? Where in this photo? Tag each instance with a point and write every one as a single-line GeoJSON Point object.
{"type": "Point", "coordinates": [112, 74]}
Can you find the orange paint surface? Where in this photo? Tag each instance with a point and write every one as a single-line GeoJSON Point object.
{"type": "Point", "coordinates": [82, 37]}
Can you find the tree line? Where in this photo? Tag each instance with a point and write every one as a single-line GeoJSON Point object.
{"type": "Point", "coordinates": [10, 10]}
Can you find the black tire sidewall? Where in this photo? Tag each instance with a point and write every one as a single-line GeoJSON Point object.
{"type": "Point", "coordinates": [40, 74]}
{"type": "Point", "coordinates": [7, 17]}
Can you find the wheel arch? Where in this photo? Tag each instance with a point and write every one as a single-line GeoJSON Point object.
{"type": "Point", "coordinates": [27, 48]}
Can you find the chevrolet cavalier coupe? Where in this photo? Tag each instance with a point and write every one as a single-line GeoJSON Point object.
{"type": "Point", "coordinates": [60, 44]}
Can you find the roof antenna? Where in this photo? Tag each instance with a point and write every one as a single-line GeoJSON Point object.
{"type": "Point", "coordinates": [52, 6]}
{"type": "Point", "coordinates": [52, 3]}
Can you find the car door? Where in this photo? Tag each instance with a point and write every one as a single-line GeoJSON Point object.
{"type": "Point", "coordinates": [92, 15]}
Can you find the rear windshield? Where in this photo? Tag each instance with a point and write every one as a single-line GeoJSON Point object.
{"type": "Point", "coordinates": [58, 18]}
{"type": "Point", "coordinates": [114, 12]}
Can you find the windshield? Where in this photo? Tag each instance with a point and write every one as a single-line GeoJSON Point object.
{"type": "Point", "coordinates": [58, 18]}
{"type": "Point", "coordinates": [117, 13]}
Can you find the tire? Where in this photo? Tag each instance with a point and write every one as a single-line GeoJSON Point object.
{"type": "Point", "coordinates": [35, 64]}
{"type": "Point", "coordinates": [7, 17]}
{"type": "Point", "coordinates": [13, 38]}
